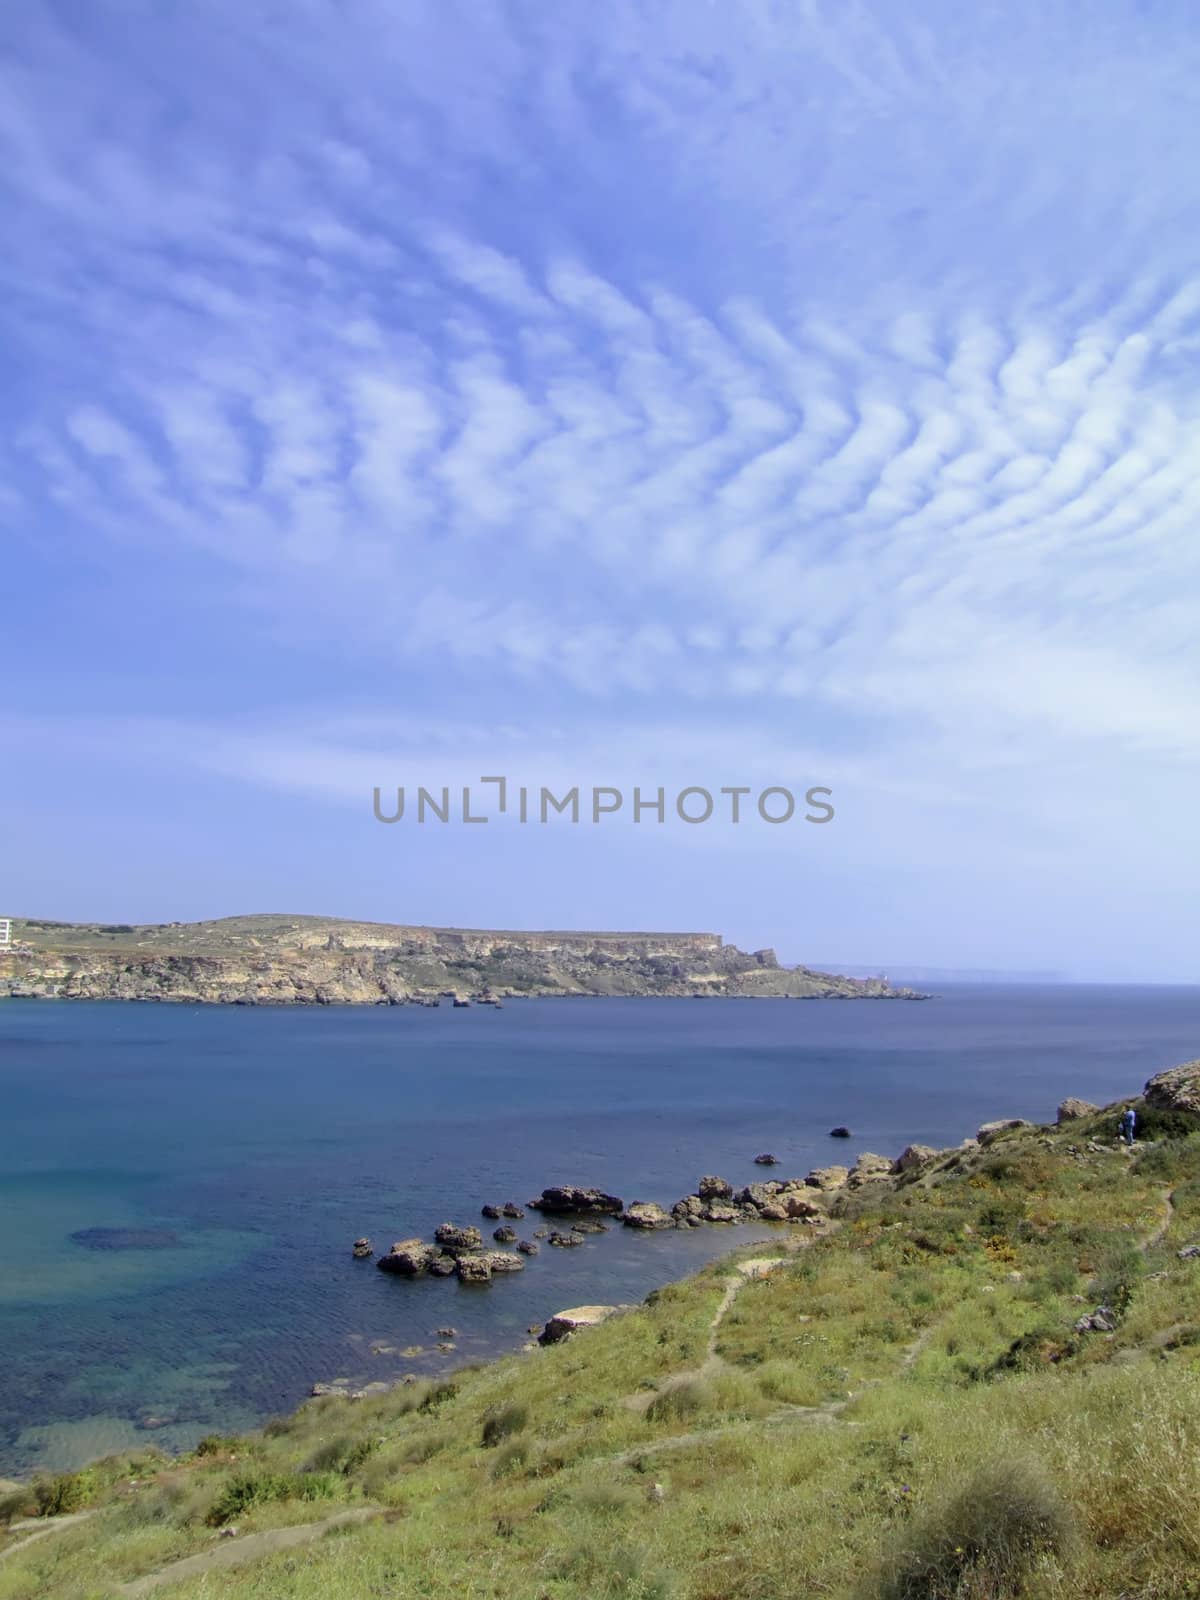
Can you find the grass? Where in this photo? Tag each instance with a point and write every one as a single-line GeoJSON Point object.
{"type": "Point", "coordinates": [901, 1412]}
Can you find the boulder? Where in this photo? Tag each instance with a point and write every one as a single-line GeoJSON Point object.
{"type": "Point", "coordinates": [1072, 1109]}
{"type": "Point", "coordinates": [839, 1133]}
{"type": "Point", "coordinates": [447, 1333]}
{"type": "Point", "coordinates": [714, 1189]}
{"type": "Point", "coordinates": [869, 1168]}
{"type": "Point", "coordinates": [1190, 1252]}
{"type": "Point", "coordinates": [565, 1241]}
{"type": "Point", "coordinates": [757, 1195]}
{"type": "Point", "coordinates": [504, 1235]}
{"type": "Point", "coordinates": [569, 1199]}
{"type": "Point", "coordinates": [913, 1155]}
{"type": "Point", "coordinates": [799, 1204]}
{"type": "Point", "coordinates": [589, 1225]}
{"type": "Point", "coordinates": [1102, 1320]}
{"type": "Point", "coordinates": [504, 1261]}
{"type": "Point", "coordinates": [992, 1130]}
{"type": "Point", "coordinates": [646, 1214]}
{"type": "Point", "coordinates": [564, 1323]}
{"type": "Point", "coordinates": [362, 1249]}
{"type": "Point", "coordinates": [690, 1206]}
{"type": "Point", "coordinates": [766, 1161]}
{"type": "Point", "coordinates": [457, 1241]}
{"type": "Point", "coordinates": [774, 1212]}
{"type": "Point", "coordinates": [1177, 1089]}
{"type": "Point", "coordinates": [511, 1209]}
{"type": "Point", "coordinates": [492, 1213]}
{"type": "Point", "coordinates": [827, 1177]}
{"type": "Point", "coordinates": [718, 1211]}
{"type": "Point", "coordinates": [442, 1266]}
{"type": "Point", "coordinates": [527, 1247]}
{"type": "Point", "coordinates": [474, 1269]}
{"type": "Point", "coordinates": [408, 1257]}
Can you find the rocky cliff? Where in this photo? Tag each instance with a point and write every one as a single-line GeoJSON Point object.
{"type": "Point", "coordinates": [265, 960]}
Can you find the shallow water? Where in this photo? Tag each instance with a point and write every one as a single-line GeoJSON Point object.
{"type": "Point", "coordinates": [265, 1141]}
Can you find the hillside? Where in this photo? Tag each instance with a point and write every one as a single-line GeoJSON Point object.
{"type": "Point", "coordinates": [264, 960]}
{"type": "Point", "coordinates": [980, 1378]}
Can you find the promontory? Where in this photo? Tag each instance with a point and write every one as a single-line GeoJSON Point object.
{"type": "Point", "coordinates": [269, 960]}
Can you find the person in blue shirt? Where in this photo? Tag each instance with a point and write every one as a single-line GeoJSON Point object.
{"type": "Point", "coordinates": [1128, 1124]}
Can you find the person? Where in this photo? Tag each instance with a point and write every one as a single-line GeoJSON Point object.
{"type": "Point", "coordinates": [1128, 1124]}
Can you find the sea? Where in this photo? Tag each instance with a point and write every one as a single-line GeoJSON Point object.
{"type": "Point", "coordinates": [180, 1186]}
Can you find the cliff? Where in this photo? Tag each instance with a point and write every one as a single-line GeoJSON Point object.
{"type": "Point", "coordinates": [264, 960]}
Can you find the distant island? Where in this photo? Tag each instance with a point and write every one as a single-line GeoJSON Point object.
{"type": "Point", "coordinates": [304, 960]}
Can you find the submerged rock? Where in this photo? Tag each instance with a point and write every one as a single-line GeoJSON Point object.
{"type": "Point", "coordinates": [565, 1241]}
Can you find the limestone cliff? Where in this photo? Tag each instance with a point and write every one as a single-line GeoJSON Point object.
{"type": "Point", "coordinates": [263, 960]}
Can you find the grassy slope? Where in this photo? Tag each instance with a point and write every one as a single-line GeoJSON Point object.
{"type": "Point", "coordinates": [856, 1389]}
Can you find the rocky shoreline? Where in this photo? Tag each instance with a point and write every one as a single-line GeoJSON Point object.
{"type": "Point", "coordinates": [812, 1202]}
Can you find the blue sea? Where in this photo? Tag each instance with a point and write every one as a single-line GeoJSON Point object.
{"type": "Point", "coordinates": [180, 1186]}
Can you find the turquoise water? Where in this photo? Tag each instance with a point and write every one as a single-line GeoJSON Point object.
{"type": "Point", "coordinates": [242, 1150]}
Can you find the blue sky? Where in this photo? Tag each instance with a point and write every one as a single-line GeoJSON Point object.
{"type": "Point", "coordinates": [684, 393]}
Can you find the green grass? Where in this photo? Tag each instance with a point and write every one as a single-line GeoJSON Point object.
{"type": "Point", "coordinates": [903, 1411]}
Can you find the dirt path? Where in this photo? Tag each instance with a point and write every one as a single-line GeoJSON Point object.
{"type": "Point", "coordinates": [54, 1525]}
{"type": "Point", "coordinates": [1160, 1232]}
{"type": "Point", "coordinates": [237, 1552]}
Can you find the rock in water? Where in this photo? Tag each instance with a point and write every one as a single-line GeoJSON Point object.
{"type": "Point", "coordinates": [362, 1249]}
{"type": "Point", "coordinates": [1072, 1109]}
{"type": "Point", "coordinates": [1177, 1089]}
{"type": "Point", "coordinates": [455, 1240]}
{"type": "Point", "coordinates": [714, 1189]}
{"type": "Point", "coordinates": [491, 1212]}
{"type": "Point", "coordinates": [565, 1241]}
{"type": "Point", "coordinates": [409, 1258]}
{"type": "Point", "coordinates": [527, 1247]}
{"type": "Point", "coordinates": [827, 1177]}
{"type": "Point", "coordinates": [766, 1161]}
{"type": "Point", "coordinates": [646, 1214]}
{"type": "Point", "coordinates": [570, 1199]}
{"type": "Point", "coordinates": [474, 1269]}
{"type": "Point", "coordinates": [504, 1235]}
{"type": "Point", "coordinates": [513, 1210]}
{"type": "Point", "coordinates": [505, 1261]}
{"type": "Point", "coordinates": [839, 1133]}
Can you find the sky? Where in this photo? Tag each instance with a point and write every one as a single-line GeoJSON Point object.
{"type": "Point", "coordinates": [695, 395]}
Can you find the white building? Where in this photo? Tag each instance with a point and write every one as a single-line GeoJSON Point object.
{"type": "Point", "coordinates": [5, 932]}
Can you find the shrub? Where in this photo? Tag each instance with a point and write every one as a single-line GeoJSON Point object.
{"type": "Point", "coordinates": [16, 1503]}
{"type": "Point", "coordinates": [344, 1453]}
{"type": "Point", "coordinates": [64, 1493]}
{"type": "Point", "coordinates": [503, 1420]}
{"type": "Point", "coordinates": [250, 1489]}
{"type": "Point", "coordinates": [509, 1458]}
{"type": "Point", "coordinates": [1153, 1123]}
{"type": "Point", "coordinates": [677, 1400]}
{"type": "Point", "coordinates": [217, 1444]}
{"type": "Point", "coordinates": [1120, 1273]}
{"type": "Point", "coordinates": [983, 1542]}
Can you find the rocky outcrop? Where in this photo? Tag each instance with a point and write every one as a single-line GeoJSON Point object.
{"type": "Point", "coordinates": [869, 1168]}
{"type": "Point", "coordinates": [270, 960]}
{"type": "Point", "coordinates": [1177, 1089]}
{"type": "Point", "coordinates": [409, 1258]}
{"type": "Point", "coordinates": [827, 1177]}
{"type": "Point", "coordinates": [992, 1130]}
{"type": "Point", "coordinates": [456, 1241]}
{"type": "Point", "coordinates": [564, 1323]}
{"type": "Point", "coordinates": [570, 1199]}
{"type": "Point", "coordinates": [1072, 1109]}
{"type": "Point", "coordinates": [912, 1157]}
{"type": "Point", "coordinates": [646, 1214]}
{"type": "Point", "coordinates": [714, 1189]}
